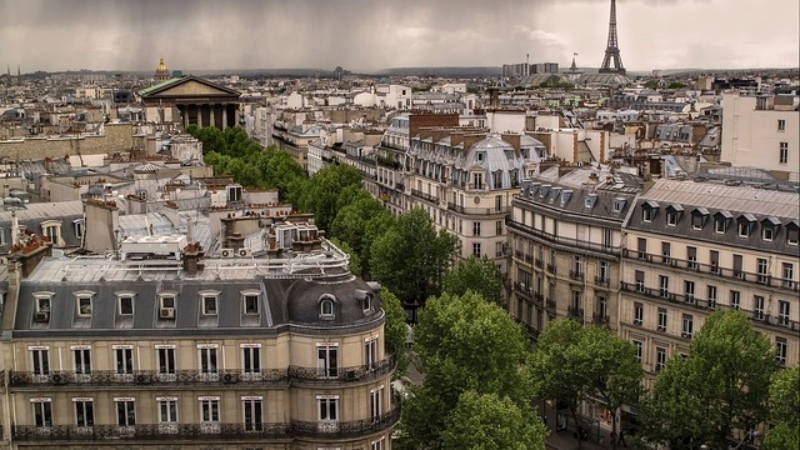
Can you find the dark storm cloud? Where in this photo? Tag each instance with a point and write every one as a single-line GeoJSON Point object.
{"type": "Point", "coordinates": [369, 34]}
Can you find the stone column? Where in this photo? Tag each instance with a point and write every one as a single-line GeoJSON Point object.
{"type": "Point", "coordinates": [236, 116]}
{"type": "Point", "coordinates": [199, 116]}
{"type": "Point", "coordinates": [185, 116]}
{"type": "Point", "coordinates": [211, 115]}
{"type": "Point", "coordinates": [224, 116]}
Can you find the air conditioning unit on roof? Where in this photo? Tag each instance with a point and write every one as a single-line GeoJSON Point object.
{"type": "Point", "coordinates": [226, 253]}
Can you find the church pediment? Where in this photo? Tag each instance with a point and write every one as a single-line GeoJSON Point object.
{"type": "Point", "coordinates": [188, 87]}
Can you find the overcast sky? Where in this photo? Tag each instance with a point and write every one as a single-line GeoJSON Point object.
{"type": "Point", "coordinates": [376, 34]}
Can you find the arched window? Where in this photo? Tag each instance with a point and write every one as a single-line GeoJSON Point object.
{"type": "Point", "coordinates": [326, 307]}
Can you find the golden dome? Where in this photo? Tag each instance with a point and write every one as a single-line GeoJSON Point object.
{"type": "Point", "coordinates": [162, 68]}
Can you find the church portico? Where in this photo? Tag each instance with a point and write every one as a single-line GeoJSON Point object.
{"type": "Point", "coordinates": [198, 102]}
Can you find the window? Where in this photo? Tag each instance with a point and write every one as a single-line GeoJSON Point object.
{"type": "Point", "coordinates": [40, 357]}
{"type": "Point", "coordinates": [371, 353]}
{"type": "Point", "coordinates": [736, 298]}
{"type": "Point", "coordinates": [167, 310]}
{"type": "Point", "coordinates": [126, 413]}
{"type": "Point", "coordinates": [84, 412]}
{"type": "Point", "coordinates": [477, 180]}
{"type": "Point", "coordinates": [712, 296]}
{"type": "Point", "coordinates": [688, 326]}
{"type": "Point", "coordinates": [691, 258]}
{"type": "Point", "coordinates": [498, 228]}
{"type": "Point", "coordinates": [607, 237]}
{"type": "Point", "coordinates": [375, 403]}
{"type": "Point", "coordinates": [638, 346]}
{"type": "Point", "coordinates": [641, 245]}
{"type": "Point", "coordinates": [84, 306]}
{"type": "Point", "coordinates": [744, 229]}
{"type": "Point", "coordinates": [767, 233]}
{"type": "Point", "coordinates": [697, 221]}
{"type": "Point", "coordinates": [328, 360]}
{"type": "Point", "coordinates": [208, 359]}
{"type": "Point", "coordinates": [209, 305]}
{"type": "Point", "coordinates": [234, 194]}
{"type": "Point", "coordinates": [250, 304]}
{"type": "Point", "coordinates": [253, 413]}
{"type": "Point", "coordinates": [638, 313]}
{"type": "Point", "coordinates": [168, 414]}
{"type": "Point", "coordinates": [792, 235]}
{"type": "Point", "coordinates": [720, 226]}
{"type": "Point", "coordinates": [783, 312]}
{"type": "Point", "coordinates": [328, 408]}
{"type": "Point", "coordinates": [123, 356]}
{"type": "Point", "coordinates": [788, 275]}
{"type": "Point", "coordinates": [378, 445]}
{"type": "Point", "coordinates": [662, 319]}
{"type": "Point", "coordinates": [688, 291]}
{"type": "Point", "coordinates": [758, 307]}
{"type": "Point", "coordinates": [661, 359]}
{"type": "Point", "coordinates": [737, 266]}
{"type": "Point", "coordinates": [42, 413]}
{"type": "Point", "coordinates": [672, 218]}
{"type": "Point", "coordinates": [665, 252]}
{"type": "Point", "coordinates": [602, 304]}
{"type": "Point", "coordinates": [713, 257]}
{"type": "Point", "coordinates": [781, 125]}
{"type": "Point", "coordinates": [763, 270]}
{"type": "Point", "coordinates": [82, 359]}
{"type": "Point", "coordinates": [577, 265]}
{"type": "Point", "coordinates": [326, 308]}
{"type": "Point", "coordinates": [476, 228]}
{"type": "Point", "coordinates": [209, 410]}
{"type": "Point", "coordinates": [125, 305]}
{"type": "Point", "coordinates": [603, 271]}
{"type": "Point", "coordinates": [647, 215]}
{"type": "Point", "coordinates": [783, 158]}
{"type": "Point", "coordinates": [166, 360]}
{"type": "Point", "coordinates": [251, 358]}
{"type": "Point", "coordinates": [640, 281]}
{"type": "Point", "coordinates": [780, 350]}
{"type": "Point", "coordinates": [663, 286]}
{"type": "Point", "coordinates": [476, 249]}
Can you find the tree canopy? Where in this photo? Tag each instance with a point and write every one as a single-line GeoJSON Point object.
{"type": "Point", "coordinates": [410, 258]}
{"type": "Point", "coordinates": [721, 386]}
{"type": "Point", "coordinates": [465, 344]}
{"type": "Point", "coordinates": [395, 330]}
{"type": "Point", "coordinates": [784, 397]}
{"type": "Point", "coordinates": [478, 275]}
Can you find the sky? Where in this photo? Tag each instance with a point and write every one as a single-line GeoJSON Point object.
{"type": "Point", "coordinates": [370, 35]}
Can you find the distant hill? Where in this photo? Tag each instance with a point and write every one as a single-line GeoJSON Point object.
{"type": "Point", "coordinates": [465, 72]}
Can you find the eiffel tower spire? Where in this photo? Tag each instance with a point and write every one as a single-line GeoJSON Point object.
{"type": "Point", "coordinates": [612, 49]}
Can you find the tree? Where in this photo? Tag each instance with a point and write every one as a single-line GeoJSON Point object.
{"type": "Point", "coordinates": [395, 330]}
{"type": "Point", "coordinates": [488, 422]}
{"type": "Point", "coordinates": [478, 275]}
{"type": "Point", "coordinates": [411, 257]}
{"type": "Point", "coordinates": [784, 396]}
{"type": "Point", "coordinates": [359, 223]}
{"type": "Point", "coordinates": [723, 385]}
{"type": "Point", "coordinates": [561, 367]}
{"type": "Point", "coordinates": [323, 194]}
{"type": "Point", "coordinates": [615, 372]}
{"type": "Point", "coordinates": [464, 343]}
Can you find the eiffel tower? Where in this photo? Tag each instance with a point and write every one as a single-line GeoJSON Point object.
{"type": "Point", "coordinates": [612, 49]}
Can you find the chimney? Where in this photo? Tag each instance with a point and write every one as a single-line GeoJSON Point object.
{"type": "Point", "coordinates": [514, 140]}
{"type": "Point", "coordinates": [192, 256]}
{"type": "Point", "coordinates": [472, 139]}
{"type": "Point", "coordinates": [28, 253]}
{"type": "Point", "coordinates": [102, 223]}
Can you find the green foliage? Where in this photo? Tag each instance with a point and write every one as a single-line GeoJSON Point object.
{"type": "Point", "coordinates": [410, 258]}
{"type": "Point", "coordinates": [328, 192]}
{"type": "Point", "coordinates": [572, 362]}
{"type": "Point", "coordinates": [652, 84]}
{"type": "Point", "coordinates": [488, 422]}
{"type": "Point", "coordinates": [464, 344]}
{"type": "Point", "coordinates": [723, 385]}
{"type": "Point", "coordinates": [355, 260]}
{"type": "Point", "coordinates": [478, 275]}
{"type": "Point", "coordinates": [359, 223]}
{"type": "Point", "coordinates": [784, 396]}
{"type": "Point", "coordinates": [395, 330]}
{"type": "Point", "coordinates": [676, 85]}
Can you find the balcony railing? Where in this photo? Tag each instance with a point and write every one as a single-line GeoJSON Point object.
{"type": "Point", "coordinates": [539, 263]}
{"type": "Point", "coordinates": [424, 196]}
{"type": "Point", "coordinates": [478, 211]}
{"type": "Point", "coordinates": [715, 269]}
{"type": "Point", "coordinates": [600, 319]}
{"type": "Point", "coordinates": [522, 290]}
{"type": "Point", "coordinates": [778, 322]}
{"type": "Point", "coordinates": [551, 304]}
{"type": "Point", "coordinates": [601, 281]}
{"type": "Point", "coordinates": [594, 246]}
{"type": "Point", "coordinates": [267, 377]}
{"type": "Point", "coordinates": [576, 275]}
{"type": "Point", "coordinates": [209, 431]}
{"type": "Point", "coordinates": [574, 312]}
{"type": "Point", "coordinates": [551, 268]}
{"type": "Point", "coordinates": [538, 298]}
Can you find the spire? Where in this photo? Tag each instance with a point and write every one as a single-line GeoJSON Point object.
{"type": "Point", "coordinates": [574, 66]}
{"type": "Point", "coordinates": [612, 48]}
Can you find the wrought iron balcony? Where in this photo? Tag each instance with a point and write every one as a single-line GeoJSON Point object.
{"type": "Point", "coordinates": [551, 304]}
{"type": "Point", "coordinates": [576, 275]}
{"type": "Point", "coordinates": [551, 268]}
{"type": "Point", "coordinates": [336, 375]}
{"type": "Point", "coordinates": [424, 196]}
{"type": "Point", "coordinates": [479, 211]}
{"type": "Point", "coordinates": [522, 290]}
{"type": "Point", "coordinates": [539, 263]}
{"type": "Point", "coordinates": [209, 431]}
{"type": "Point", "coordinates": [601, 281]}
{"type": "Point", "coordinates": [599, 319]}
{"type": "Point", "coordinates": [574, 312]}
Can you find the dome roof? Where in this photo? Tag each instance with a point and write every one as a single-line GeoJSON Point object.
{"type": "Point", "coordinates": [162, 67]}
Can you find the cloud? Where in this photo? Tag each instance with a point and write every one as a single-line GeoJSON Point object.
{"type": "Point", "coordinates": [375, 34]}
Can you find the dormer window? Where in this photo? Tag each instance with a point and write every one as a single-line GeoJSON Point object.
{"type": "Point", "coordinates": [167, 306]}
{"type": "Point", "coordinates": [618, 205]}
{"type": "Point", "coordinates": [210, 305]}
{"type": "Point", "coordinates": [699, 216]}
{"type": "Point", "coordinates": [767, 233]}
{"type": "Point", "coordinates": [769, 227]}
{"type": "Point", "coordinates": [125, 305]}
{"type": "Point", "coordinates": [721, 220]}
{"type": "Point", "coordinates": [672, 218]}
{"type": "Point", "coordinates": [746, 225]}
{"type": "Point", "coordinates": [84, 303]}
{"type": "Point", "coordinates": [647, 215]}
{"type": "Point", "coordinates": [43, 303]}
{"type": "Point", "coordinates": [649, 209]}
{"type": "Point", "coordinates": [78, 226]}
{"type": "Point", "coordinates": [368, 303]}
{"type": "Point", "coordinates": [326, 307]}
{"type": "Point", "coordinates": [792, 233]}
{"type": "Point", "coordinates": [479, 156]}
{"type": "Point", "coordinates": [250, 302]}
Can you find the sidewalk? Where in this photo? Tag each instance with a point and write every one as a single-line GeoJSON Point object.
{"type": "Point", "coordinates": [564, 439]}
